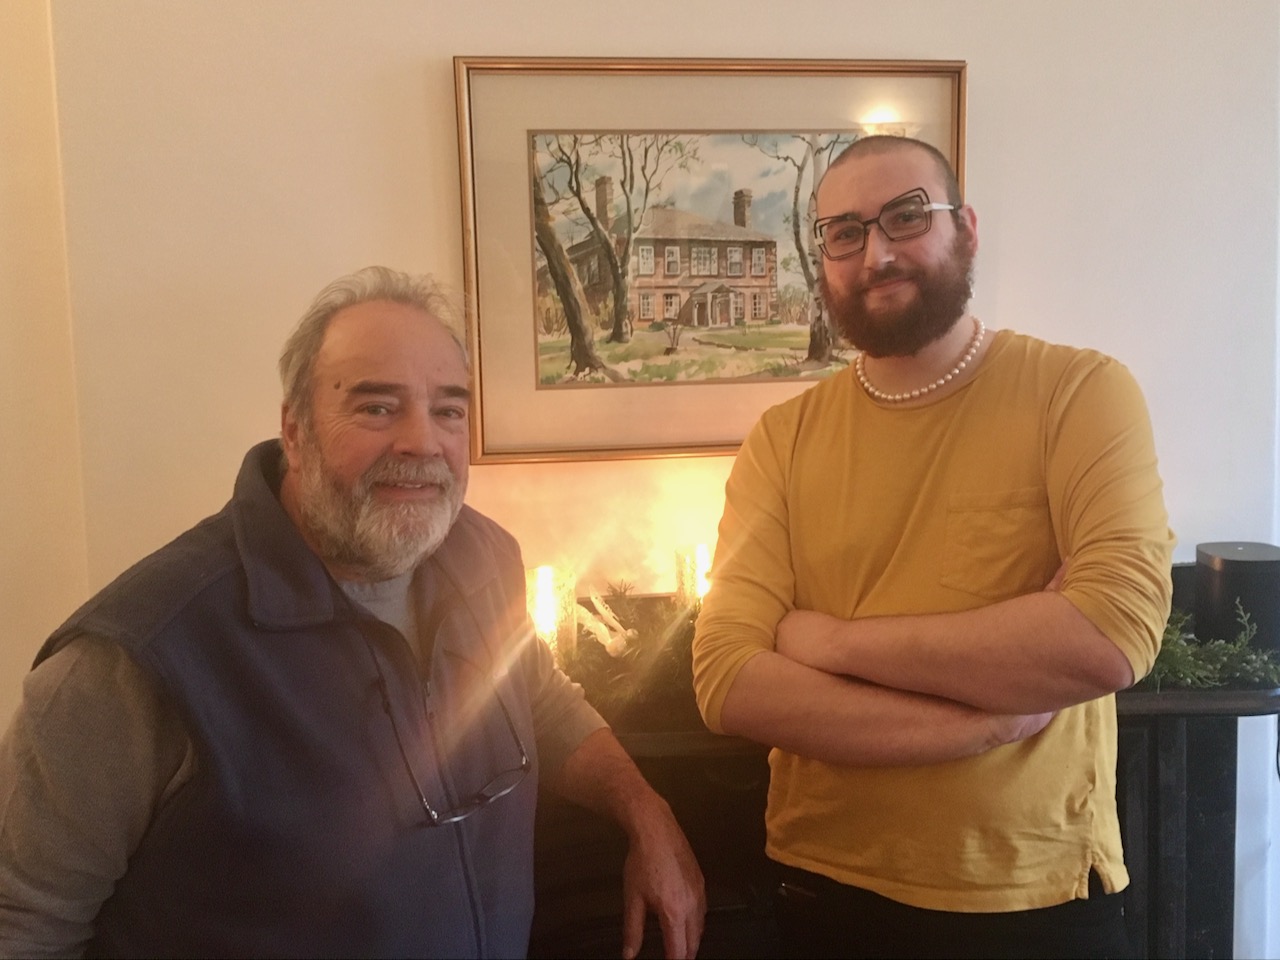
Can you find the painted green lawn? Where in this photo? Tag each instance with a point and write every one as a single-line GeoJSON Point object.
{"type": "Point", "coordinates": [766, 351]}
{"type": "Point", "coordinates": [756, 338]}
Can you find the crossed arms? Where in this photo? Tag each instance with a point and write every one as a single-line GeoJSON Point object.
{"type": "Point", "coordinates": [921, 689]}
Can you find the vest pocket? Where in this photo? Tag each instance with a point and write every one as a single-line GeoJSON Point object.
{"type": "Point", "coordinates": [997, 544]}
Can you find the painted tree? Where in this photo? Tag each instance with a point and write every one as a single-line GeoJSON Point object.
{"type": "Point", "coordinates": [639, 162]}
{"type": "Point", "coordinates": [582, 350]}
{"type": "Point", "coordinates": [809, 155]}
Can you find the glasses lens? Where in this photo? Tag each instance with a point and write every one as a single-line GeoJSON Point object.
{"type": "Point", "coordinates": [504, 782]}
{"type": "Point", "coordinates": [841, 238]}
{"type": "Point", "coordinates": [495, 789]}
{"type": "Point", "coordinates": [904, 218]}
{"type": "Point", "coordinates": [501, 785]}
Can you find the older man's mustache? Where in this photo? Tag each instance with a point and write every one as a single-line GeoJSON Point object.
{"type": "Point", "coordinates": [410, 473]}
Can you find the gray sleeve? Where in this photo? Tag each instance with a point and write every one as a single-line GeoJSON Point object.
{"type": "Point", "coordinates": [562, 718]}
{"type": "Point", "coordinates": [91, 754]}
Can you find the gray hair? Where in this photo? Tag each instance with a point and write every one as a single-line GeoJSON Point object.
{"type": "Point", "coordinates": [298, 359]}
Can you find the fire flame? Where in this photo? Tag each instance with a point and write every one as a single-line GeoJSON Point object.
{"type": "Point", "coordinates": [702, 567]}
{"type": "Point", "coordinates": [542, 604]}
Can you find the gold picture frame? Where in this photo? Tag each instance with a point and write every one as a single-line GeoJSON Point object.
{"type": "Point", "coordinates": [696, 256]}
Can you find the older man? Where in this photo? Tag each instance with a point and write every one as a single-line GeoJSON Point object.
{"type": "Point", "coordinates": [934, 570]}
{"type": "Point", "coordinates": [315, 723]}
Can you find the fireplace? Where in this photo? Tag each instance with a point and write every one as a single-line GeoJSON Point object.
{"type": "Point", "coordinates": [1175, 792]}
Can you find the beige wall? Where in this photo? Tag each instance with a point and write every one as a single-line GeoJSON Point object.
{"type": "Point", "coordinates": [223, 160]}
{"type": "Point", "coordinates": [42, 542]}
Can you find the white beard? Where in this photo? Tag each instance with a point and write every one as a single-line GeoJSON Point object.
{"type": "Point", "coordinates": [353, 529]}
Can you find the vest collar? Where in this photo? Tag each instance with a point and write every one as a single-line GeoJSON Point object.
{"type": "Point", "coordinates": [289, 587]}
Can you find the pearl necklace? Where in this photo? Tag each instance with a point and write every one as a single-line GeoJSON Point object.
{"type": "Point", "coordinates": [979, 331]}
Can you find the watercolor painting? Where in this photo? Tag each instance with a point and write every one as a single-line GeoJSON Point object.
{"type": "Point", "coordinates": [665, 257]}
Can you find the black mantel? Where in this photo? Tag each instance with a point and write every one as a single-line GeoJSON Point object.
{"type": "Point", "coordinates": [1176, 793]}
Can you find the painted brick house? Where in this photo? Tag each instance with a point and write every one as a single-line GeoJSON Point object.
{"type": "Point", "coordinates": [686, 267]}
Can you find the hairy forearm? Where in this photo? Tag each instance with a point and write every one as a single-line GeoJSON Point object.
{"type": "Point", "coordinates": [785, 704]}
{"type": "Point", "coordinates": [661, 874]}
{"type": "Point", "coordinates": [600, 776]}
{"type": "Point", "coordinates": [1026, 655]}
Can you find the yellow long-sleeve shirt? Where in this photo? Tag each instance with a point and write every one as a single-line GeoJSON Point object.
{"type": "Point", "coordinates": [838, 505]}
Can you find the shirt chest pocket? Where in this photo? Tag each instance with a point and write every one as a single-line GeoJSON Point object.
{"type": "Point", "coordinates": [999, 544]}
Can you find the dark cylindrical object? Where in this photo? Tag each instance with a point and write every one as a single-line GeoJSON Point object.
{"type": "Point", "coordinates": [1236, 569]}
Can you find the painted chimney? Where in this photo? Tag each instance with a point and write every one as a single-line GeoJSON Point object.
{"type": "Point", "coordinates": [742, 208]}
{"type": "Point", "coordinates": [604, 200]}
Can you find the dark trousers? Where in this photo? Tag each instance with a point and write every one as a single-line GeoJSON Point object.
{"type": "Point", "coordinates": [818, 917]}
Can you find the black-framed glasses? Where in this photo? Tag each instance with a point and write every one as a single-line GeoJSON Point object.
{"type": "Point", "coordinates": [495, 789]}
{"type": "Point", "coordinates": [904, 217]}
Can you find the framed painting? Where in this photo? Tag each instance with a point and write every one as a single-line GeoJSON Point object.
{"type": "Point", "coordinates": [640, 269]}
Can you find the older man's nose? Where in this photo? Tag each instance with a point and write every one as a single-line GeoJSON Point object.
{"type": "Point", "coordinates": [417, 434]}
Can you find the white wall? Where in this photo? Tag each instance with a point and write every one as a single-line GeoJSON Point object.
{"type": "Point", "coordinates": [42, 560]}
{"type": "Point", "coordinates": [224, 160]}
{"type": "Point", "coordinates": [1257, 919]}
{"type": "Point", "coordinates": [221, 161]}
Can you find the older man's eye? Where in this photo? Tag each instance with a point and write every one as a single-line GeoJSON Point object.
{"type": "Point", "coordinates": [376, 409]}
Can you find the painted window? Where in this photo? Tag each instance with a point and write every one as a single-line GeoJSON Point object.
{"type": "Point", "coordinates": [672, 266]}
{"type": "Point", "coordinates": [704, 262]}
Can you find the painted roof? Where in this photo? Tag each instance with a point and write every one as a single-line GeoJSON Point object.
{"type": "Point", "coordinates": [669, 223]}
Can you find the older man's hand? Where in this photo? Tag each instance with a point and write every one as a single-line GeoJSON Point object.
{"type": "Point", "coordinates": [661, 875]}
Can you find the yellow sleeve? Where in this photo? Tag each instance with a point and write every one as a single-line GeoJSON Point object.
{"type": "Point", "coordinates": [752, 576]}
{"type": "Point", "coordinates": [1108, 507]}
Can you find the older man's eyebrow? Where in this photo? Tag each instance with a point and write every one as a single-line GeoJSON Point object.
{"type": "Point", "coordinates": [392, 388]}
{"type": "Point", "coordinates": [381, 387]}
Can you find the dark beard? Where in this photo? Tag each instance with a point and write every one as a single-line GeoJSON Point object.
{"type": "Point", "coordinates": [944, 294]}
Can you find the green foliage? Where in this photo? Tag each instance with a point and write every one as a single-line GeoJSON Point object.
{"type": "Point", "coordinates": [602, 313]}
{"type": "Point", "coordinates": [550, 317]}
{"type": "Point", "coordinates": [775, 351]}
{"type": "Point", "coordinates": [676, 369]}
{"type": "Point", "coordinates": [757, 336]}
{"type": "Point", "coordinates": [649, 686]}
{"type": "Point", "coordinates": [793, 304]}
{"type": "Point", "coordinates": [1179, 663]}
{"type": "Point", "coordinates": [1187, 663]}
{"type": "Point", "coordinates": [789, 368]}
